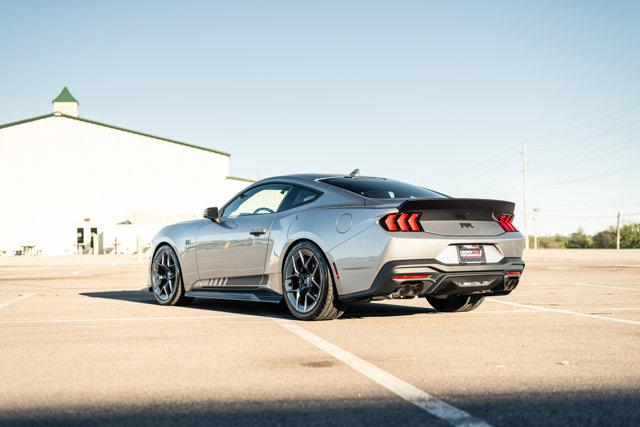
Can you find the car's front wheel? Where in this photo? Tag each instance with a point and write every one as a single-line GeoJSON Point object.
{"type": "Point", "coordinates": [455, 303]}
{"type": "Point", "coordinates": [308, 286]}
{"type": "Point", "coordinates": [166, 278]}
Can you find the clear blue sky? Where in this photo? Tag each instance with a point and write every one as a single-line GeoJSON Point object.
{"type": "Point", "coordinates": [437, 93]}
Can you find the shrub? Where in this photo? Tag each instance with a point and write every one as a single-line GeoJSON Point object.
{"type": "Point", "coordinates": [630, 236]}
{"type": "Point", "coordinates": [552, 242]}
{"type": "Point", "coordinates": [578, 240]}
{"type": "Point", "coordinates": [605, 239]}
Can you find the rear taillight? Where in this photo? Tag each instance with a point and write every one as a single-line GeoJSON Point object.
{"type": "Point", "coordinates": [411, 276]}
{"type": "Point", "coordinates": [389, 222]}
{"type": "Point", "coordinates": [506, 222]}
{"type": "Point", "coordinates": [406, 221]}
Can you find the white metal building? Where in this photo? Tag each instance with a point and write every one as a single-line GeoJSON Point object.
{"type": "Point", "coordinates": [64, 177]}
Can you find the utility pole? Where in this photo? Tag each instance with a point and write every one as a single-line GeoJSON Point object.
{"type": "Point", "coordinates": [618, 232]}
{"type": "Point", "coordinates": [524, 190]}
{"type": "Point", "coordinates": [535, 228]}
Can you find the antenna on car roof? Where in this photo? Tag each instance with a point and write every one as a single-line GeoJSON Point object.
{"type": "Point", "coordinates": [354, 173]}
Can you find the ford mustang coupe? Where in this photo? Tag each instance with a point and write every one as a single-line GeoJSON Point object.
{"type": "Point", "coordinates": [318, 242]}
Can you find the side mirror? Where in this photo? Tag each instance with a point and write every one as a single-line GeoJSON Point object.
{"type": "Point", "coordinates": [211, 213]}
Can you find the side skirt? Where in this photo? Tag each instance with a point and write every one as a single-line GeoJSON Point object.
{"type": "Point", "coordinates": [256, 295]}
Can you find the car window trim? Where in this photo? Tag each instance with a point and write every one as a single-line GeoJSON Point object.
{"type": "Point", "coordinates": [251, 188]}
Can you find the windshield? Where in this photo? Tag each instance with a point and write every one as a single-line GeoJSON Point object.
{"type": "Point", "coordinates": [381, 188]}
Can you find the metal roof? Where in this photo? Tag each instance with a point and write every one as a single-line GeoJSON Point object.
{"type": "Point", "coordinates": [65, 96]}
{"type": "Point", "coordinates": [56, 114]}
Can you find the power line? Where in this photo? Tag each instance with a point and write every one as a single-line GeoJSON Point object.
{"type": "Point", "coordinates": [571, 143]}
{"type": "Point", "coordinates": [581, 125]}
{"type": "Point", "coordinates": [587, 178]}
{"type": "Point", "coordinates": [459, 180]}
{"type": "Point", "coordinates": [607, 147]}
{"type": "Point", "coordinates": [548, 167]}
{"type": "Point", "coordinates": [612, 215]}
{"type": "Point", "coordinates": [627, 199]}
{"type": "Point", "coordinates": [590, 207]}
{"type": "Point", "coordinates": [577, 141]}
{"type": "Point", "coordinates": [603, 156]}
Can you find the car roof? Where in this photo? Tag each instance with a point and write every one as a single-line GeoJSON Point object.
{"type": "Point", "coordinates": [310, 176]}
{"type": "Point", "coordinates": [313, 180]}
{"type": "Point", "coordinates": [320, 176]}
{"type": "Point", "coordinates": [316, 181]}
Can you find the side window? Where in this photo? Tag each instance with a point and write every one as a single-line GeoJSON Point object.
{"type": "Point", "coordinates": [261, 200]}
{"type": "Point", "coordinates": [299, 196]}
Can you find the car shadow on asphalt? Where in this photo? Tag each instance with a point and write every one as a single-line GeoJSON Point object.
{"type": "Point", "coordinates": [354, 310]}
{"type": "Point", "coordinates": [606, 407]}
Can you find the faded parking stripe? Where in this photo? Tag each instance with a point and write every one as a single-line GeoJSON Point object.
{"type": "Point", "coordinates": [406, 391]}
{"type": "Point", "coordinates": [15, 300]}
{"type": "Point", "coordinates": [605, 286]}
{"type": "Point", "coordinates": [569, 312]}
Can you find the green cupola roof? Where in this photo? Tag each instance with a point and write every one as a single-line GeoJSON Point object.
{"type": "Point", "coordinates": [65, 96]}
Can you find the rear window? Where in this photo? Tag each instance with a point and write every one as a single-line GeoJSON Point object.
{"type": "Point", "coordinates": [380, 188]}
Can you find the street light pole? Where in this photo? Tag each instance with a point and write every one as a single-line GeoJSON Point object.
{"type": "Point", "coordinates": [524, 191]}
{"type": "Point", "coordinates": [618, 232]}
{"type": "Point", "coordinates": [535, 228]}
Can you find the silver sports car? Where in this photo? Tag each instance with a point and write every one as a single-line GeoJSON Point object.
{"type": "Point", "coordinates": [320, 241]}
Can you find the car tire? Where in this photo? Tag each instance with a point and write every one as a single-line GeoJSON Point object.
{"type": "Point", "coordinates": [455, 303]}
{"type": "Point", "coordinates": [307, 279]}
{"type": "Point", "coordinates": [166, 278]}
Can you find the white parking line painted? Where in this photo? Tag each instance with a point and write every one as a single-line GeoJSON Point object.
{"type": "Point", "coordinates": [406, 391]}
{"type": "Point", "coordinates": [605, 286]}
{"type": "Point", "coordinates": [560, 311]}
{"type": "Point", "coordinates": [15, 300]}
{"type": "Point", "coordinates": [124, 319]}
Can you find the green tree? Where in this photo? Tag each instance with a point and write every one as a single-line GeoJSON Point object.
{"type": "Point", "coordinates": [552, 242]}
{"type": "Point", "coordinates": [630, 236]}
{"type": "Point", "coordinates": [578, 240]}
{"type": "Point", "coordinates": [605, 239]}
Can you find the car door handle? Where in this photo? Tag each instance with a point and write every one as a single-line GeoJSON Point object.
{"type": "Point", "coordinates": [257, 231]}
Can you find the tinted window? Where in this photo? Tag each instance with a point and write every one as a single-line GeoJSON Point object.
{"type": "Point", "coordinates": [299, 196]}
{"type": "Point", "coordinates": [380, 188]}
{"type": "Point", "coordinates": [261, 200]}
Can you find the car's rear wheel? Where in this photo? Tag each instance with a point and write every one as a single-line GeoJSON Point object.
{"type": "Point", "coordinates": [309, 291]}
{"type": "Point", "coordinates": [455, 303]}
{"type": "Point", "coordinates": [166, 278]}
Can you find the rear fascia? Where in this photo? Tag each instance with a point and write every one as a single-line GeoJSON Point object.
{"type": "Point", "coordinates": [443, 278]}
{"type": "Point", "coordinates": [361, 258]}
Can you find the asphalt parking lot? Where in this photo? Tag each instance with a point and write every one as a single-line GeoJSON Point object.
{"type": "Point", "coordinates": [81, 344]}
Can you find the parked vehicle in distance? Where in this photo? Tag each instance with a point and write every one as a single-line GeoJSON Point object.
{"type": "Point", "coordinates": [322, 241]}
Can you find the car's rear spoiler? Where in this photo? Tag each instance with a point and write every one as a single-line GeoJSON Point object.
{"type": "Point", "coordinates": [478, 209]}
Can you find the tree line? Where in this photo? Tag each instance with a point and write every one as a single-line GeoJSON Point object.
{"type": "Point", "coordinates": [605, 239]}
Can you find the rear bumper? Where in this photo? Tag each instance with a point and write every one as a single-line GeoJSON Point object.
{"type": "Point", "coordinates": [443, 279]}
